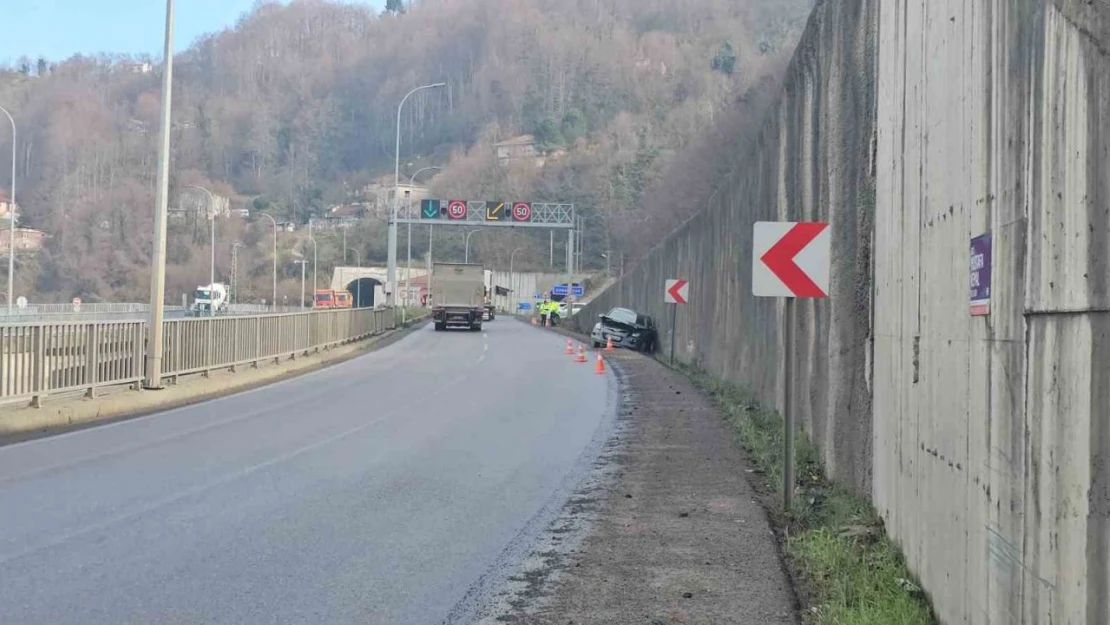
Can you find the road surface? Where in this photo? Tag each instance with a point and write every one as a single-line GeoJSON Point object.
{"type": "Point", "coordinates": [381, 490]}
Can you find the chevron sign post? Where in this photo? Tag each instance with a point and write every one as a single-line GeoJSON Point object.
{"type": "Point", "coordinates": [790, 260]}
{"type": "Point", "coordinates": [675, 292]}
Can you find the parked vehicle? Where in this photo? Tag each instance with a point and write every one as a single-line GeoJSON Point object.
{"type": "Point", "coordinates": [458, 296]}
{"type": "Point", "coordinates": [209, 298]}
{"type": "Point", "coordinates": [328, 298]}
{"type": "Point", "coordinates": [628, 329]}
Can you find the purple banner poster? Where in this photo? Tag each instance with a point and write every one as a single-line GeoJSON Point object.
{"type": "Point", "coordinates": [981, 275]}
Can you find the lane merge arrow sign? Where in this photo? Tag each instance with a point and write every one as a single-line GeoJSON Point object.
{"type": "Point", "coordinates": [791, 259]}
{"type": "Point", "coordinates": [676, 291]}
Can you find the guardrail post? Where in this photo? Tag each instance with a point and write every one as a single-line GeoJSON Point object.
{"type": "Point", "coordinates": [177, 354]}
{"type": "Point", "coordinates": [208, 346]}
{"type": "Point", "coordinates": [234, 323]}
{"type": "Point", "coordinates": [92, 359]}
{"type": "Point", "coordinates": [39, 367]}
{"type": "Point", "coordinates": [295, 320]}
{"type": "Point", "coordinates": [138, 354]}
{"type": "Point", "coordinates": [257, 341]}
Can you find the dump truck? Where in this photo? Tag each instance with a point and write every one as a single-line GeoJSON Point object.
{"type": "Point", "coordinates": [209, 297]}
{"type": "Point", "coordinates": [458, 296]}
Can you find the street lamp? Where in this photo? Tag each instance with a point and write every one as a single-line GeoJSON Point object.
{"type": "Point", "coordinates": [358, 281]}
{"type": "Point", "coordinates": [212, 246]}
{"type": "Point", "coordinates": [273, 221]}
{"type": "Point", "coordinates": [608, 256]}
{"type": "Point", "coordinates": [408, 264]}
{"type": "Point", "coordinates": [466, 251]}
{"type": "Point", "coordinates": [391, 265]}
{"type": "Point", "coordinates": [313, 239]}
{"type": "Point", "coordinates": [302, 263]}
{"type": "Point", "coordinates": [512, 285]}
{"type": "Point", "coordinates": [11, 218]}
{"type": "Point", "coordinates": [158, 257]}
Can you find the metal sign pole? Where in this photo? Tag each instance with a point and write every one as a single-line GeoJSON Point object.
{"type": "Point", "coordinates": [674, 316]}
{"type": "Point", "coordinates": [788, 406]}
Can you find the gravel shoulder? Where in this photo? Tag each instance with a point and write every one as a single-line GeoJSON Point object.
{"type": "Point", "coordinates": [667, 530]}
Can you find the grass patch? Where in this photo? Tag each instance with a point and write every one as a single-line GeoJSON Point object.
{"type": "Point", "coordinates": [412, 314]}
{"type": "Point", "coordinates": [853, 573]}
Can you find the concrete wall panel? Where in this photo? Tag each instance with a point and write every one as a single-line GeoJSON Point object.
{"type": "Point", "coordinates": [913, 126]}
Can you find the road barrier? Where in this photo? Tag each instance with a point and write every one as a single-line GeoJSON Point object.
{"type": "Point", "coordinates": [52, 358]}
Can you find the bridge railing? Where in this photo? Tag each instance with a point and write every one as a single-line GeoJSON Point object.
{"type": "Point", "coordinates": [52, 358]}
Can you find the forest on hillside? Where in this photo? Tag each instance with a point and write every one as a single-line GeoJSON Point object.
{"type": "Point", "coordinates": [293, 109]}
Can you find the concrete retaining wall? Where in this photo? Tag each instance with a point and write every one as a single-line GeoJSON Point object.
{"type": "Point", "coordinates": [811, 161]}
{"type": "Point", "coordinates": [992, 433]}
{"type": "Point", "coordinates": [984, 441]}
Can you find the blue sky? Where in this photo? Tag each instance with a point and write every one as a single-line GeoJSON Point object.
{"type": "Point", "coordinates": [58, 29]}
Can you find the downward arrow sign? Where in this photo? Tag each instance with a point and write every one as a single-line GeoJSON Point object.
{"type": "Point", "coordinates": [782, 255]}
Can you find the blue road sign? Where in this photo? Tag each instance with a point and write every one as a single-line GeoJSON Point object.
{"type": "Point", "coordinates": [578, 290]}
{"type": "Point", "coordinates": [559, 289]}
{"type": "Point", "coordinates": [537, 296]}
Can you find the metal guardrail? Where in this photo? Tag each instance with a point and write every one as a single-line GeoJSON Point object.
{"type": "Point", "coordinates": [50, 358]}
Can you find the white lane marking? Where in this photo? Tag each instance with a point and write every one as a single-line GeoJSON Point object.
{"type": "Point", "coordinates": [178, 496]}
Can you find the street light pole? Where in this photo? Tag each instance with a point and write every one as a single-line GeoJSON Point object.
{"type": "Point", "coordinates": [212, 247]}
{"type": "Point", "coordinates": [466, 248]}
{"type": "Point", "coordinates": [512, 277]}
{"type": "Point", "coordinates": [11, 219]}
{"type": "Point", "coordinates": [313, 239]}
{"type": "Point", "coordinates": [273, 221]}
{"type": "Point", "coordinates": [158, 257]}
{"type": "Point", "coordinates": [408, 262]}
{"type": "Point", "coordinates": [302, 264]}
{"type": "Point", "coordinates": [391, 254]}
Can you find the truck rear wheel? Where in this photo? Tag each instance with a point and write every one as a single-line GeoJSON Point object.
{"type": "Point", "coordinates": [440, 327]}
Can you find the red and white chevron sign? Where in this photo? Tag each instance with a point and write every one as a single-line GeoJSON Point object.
{"type": "Point", "coordinates": [676, 291]}
{"type": "Point", "coordinates": [791, 259]}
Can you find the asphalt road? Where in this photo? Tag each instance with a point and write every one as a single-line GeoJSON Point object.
{"type": "Point", "coordinates": [383, 490]}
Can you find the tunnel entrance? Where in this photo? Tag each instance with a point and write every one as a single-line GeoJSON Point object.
{"type": "Point", "coordinates": [362, 291]}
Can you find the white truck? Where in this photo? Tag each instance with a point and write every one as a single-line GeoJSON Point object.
{"type": "Point", "coordinates": [208, 298]}
{"type": "Point", "coordinates": [458, 296]}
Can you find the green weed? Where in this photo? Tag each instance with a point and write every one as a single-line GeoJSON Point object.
{"type": "Point", "coordinates": [855, 574]}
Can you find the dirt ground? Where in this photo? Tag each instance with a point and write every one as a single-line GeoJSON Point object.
{"type": "Point", "coordinates": [676, 536]}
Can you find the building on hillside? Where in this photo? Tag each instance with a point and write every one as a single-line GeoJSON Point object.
{"type": "Point", "coordinates": [516, 149]}
{"type": "Point", "coordinates": [195, 201]}
{"type": "Point", "coordinates": [6, 207]}
{"type": "Point", "coordinates": [26, 240]}
{"type": "Point", "coordinates": [347, 212]}
{"type": "Point", "coordinates": [378, 197]}
{"type": "Point", "coordinates": [139, 68]}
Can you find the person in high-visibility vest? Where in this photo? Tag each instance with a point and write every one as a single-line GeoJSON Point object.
{"type": "Point", "coordinates": [552, 311]}
{"type": "Point", "coordinates": [542, 310]}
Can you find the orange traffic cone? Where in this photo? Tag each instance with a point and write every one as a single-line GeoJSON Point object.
{"type": "Point", "coordinates": [609, 344]}
{"type": "Point", "coordinates": [570, 347]}
{"type": "Point", "coordinates": [600, 370]}
{"type": "Point", "coordinates": [581, 353]}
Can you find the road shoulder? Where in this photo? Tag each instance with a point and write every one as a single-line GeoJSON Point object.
{"type": "Point", "coordinates": [676, 534]}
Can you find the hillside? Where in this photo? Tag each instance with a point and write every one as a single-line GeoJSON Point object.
{"type": "Point", "coordinates": [293, 110]}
